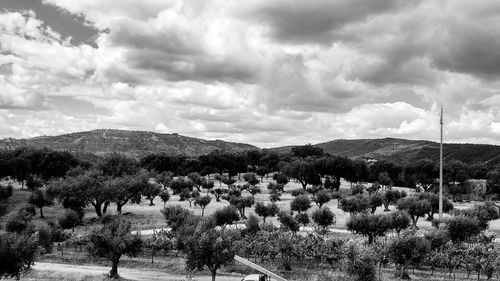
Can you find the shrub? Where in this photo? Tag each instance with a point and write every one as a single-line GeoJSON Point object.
{"type": "Point", "coordinates": [400, 220]}
{"type": "Point", "coordinates": [437, 237]}
{"type": "Point", "coordinates": [18, 222]}
{"type": "Point", "coordinates": [69, 219]}
{"type": "Point", "coordinates": [5, 192]}
{"type": "Point", "coordinates": [176, 215]}
{"type": "Point", "coordinates": [17, 253]}
{"type": "Point", "coordinates": [29, 209]}
{"type": "Point", "coordinates": [323, 217]}
{"type": "Point", "coordinates": [462, 228]}
{"type": "Point", "coordinates": [360, 263]}
{"type": "Point", "coordinates": [297, 192]}
{"type": "Point", "coordinates": [252, 224]}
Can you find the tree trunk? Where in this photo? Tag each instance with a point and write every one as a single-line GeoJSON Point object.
{"type": "Point", "coordinates": [41, 212]}
{"type": "Point", "coordinates": [151, 202]}
{"type": "Point", "coordinates": [97, 208]}
{"type": "Point", "coordinates": [105, 208]}
{"type": "Point", "coordinates": [114, 269]}
{"type": "Point", "coordinates": [214, 273]}
{"type": "Point", "coordinates": [202, 212]}
{"type": "Point", "coordinates": [370, 238]}
{"type": "Point", "coordinates": [119, 208]}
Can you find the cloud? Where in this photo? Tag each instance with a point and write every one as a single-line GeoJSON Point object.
{"type": "Point", "coordinates": [269, 73]}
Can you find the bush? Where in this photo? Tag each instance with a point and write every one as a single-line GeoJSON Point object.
{"type": "Point", "coordinates": [176, 215]}
{"type": "Point", "coordinates": [18, 222]}
{"type": "Point", "coordinates": [17, 253]}
{"type": "Point", "coordinates": [5, 192]}
{"type": "Point", "coordinates": [69, 219]}
{"type": "Point", "coordinates": [45, 238]}
{"type": "Point", "coordinates": [29, 209]}
{"type": "Point", "coordinates": [252, 225]}
{"type": "Point", "coordinates": [360, 263]}
{"type": "Point", "coordinates": [323, 217]}
{"type": "Point", "coordinates": [297, 192]}
{"type": "Point", "coordinates": [322, 197]}
{"type": "Point", "coordinates": [437, 237]}
{"type": "Point", "coordinates": [462, 228]}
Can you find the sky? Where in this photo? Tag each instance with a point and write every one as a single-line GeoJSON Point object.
{"type": "Point", "coordinates": [268, 73]}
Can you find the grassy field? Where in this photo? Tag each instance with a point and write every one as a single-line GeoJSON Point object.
{"type": "Point", "coordinates": [144, 216]}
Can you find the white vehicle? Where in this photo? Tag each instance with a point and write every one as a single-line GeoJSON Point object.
{"type": "Point", "coordinates": [255, 277]}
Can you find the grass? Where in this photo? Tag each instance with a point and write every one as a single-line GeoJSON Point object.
{"type": "Point", "coordinates": [50, 275]}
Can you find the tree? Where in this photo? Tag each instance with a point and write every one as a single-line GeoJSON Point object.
{"type": "Point", "coordinates": [17, 253]}
{"type": "Point", "coordinates": [164, 196]}
{"type": "Point", "coordinates": [211, 248]}
{"type": "Point", "coordinates": [40, 199]}
{"type": "Point", "coordinates": [128, 188]}
{"type": "Point", "coordinates": [371, 225]}
{"type": "Point", "coordinates": [218, 192]}
{"type": "Point", "coordinates": [302, 170]}
{"type": "Point", "coordinates": [323, 217]}
{"type": "Point", "coordinates": [354, 204]}
{"type": "Point", "coordinates": [241, 203]}
{"type": "Point", "coordinates": [360, 263]}
{"type": "Point", "coordinates": [89, 188]}
{"type": "Point", "coordinates": [322, 197]}
{"type": "Point", "coordinates": [112, 240]}
{"type": "Point", "coordinates": [302, 218]}
{"type": "Point", "coordinates": [376, 200]}
{"type": "Point", "coordinates": [161, 240]}
{"type": "Point", "coordinates": [391, 197]}
{"type": "Point", "coordinates": [332, 183]}
{"type": "Point", "coordinates": [251, 179]}
{"type": "Point", "coordinates": [300, 203]}
{"type": "Point", "coordinates": [228, 181]}
{"type": "Point", "coordinates": [117, 165]}
{"type": "Point", "coordinates": [423, 173]}
{"type": "Point", "coordinates": [69, 219]}
{"type": "Point", "coordinates": [203, 201]}
{"type": "Point", "coordinates": [408, 249]}
{"type": "Point", "coordinates": [281, 178]}
{"type": "Point", "coordinates": [33, 182]}
{"type": "Point", "coordinates": [307, 150]}
{"type": "Point", "coordinates": [226, 215]}
{"type": "Point", "coordinates": [150, 191]}
{"type": "Point", "coordinates": [254, 190]}
{"type": "Point", "coordinates": [434, 202]}
{"type": "Point", "coordinates": [288, 221]}
{"type": "Point", "coordinates": [415, 207]}
{"type": "Point", "coordinates": [176, 216]}
{"type": "Point", "coordinates": [265, 211]}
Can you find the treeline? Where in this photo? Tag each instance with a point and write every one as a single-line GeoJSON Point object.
{"type": "Point", "coordinates": [307, 164]}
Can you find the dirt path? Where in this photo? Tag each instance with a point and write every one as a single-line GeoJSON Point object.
{"type": "Point", "coordinates": [127, 273]}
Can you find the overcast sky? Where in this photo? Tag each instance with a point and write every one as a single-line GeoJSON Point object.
{"type": "Point", "coordinates": [263, 72]}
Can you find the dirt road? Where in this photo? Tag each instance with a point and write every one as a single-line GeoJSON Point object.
{"type": "Point", "coordinates": [127, 273]}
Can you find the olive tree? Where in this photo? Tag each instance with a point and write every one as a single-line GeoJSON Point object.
{"type": "Point", "coordinates": [112, 240]}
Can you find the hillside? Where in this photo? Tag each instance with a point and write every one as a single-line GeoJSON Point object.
{"type": "Point", "coordinates": [131, 143]}
{"type": "Point", "coordinates": [402, 150]}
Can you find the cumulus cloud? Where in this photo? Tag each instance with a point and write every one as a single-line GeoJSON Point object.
{"type": "Point", "coordinates": [265, 72]}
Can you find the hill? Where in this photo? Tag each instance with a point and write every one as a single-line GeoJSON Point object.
{"type": "Point", "coordinates": [131, 143]}
{"type": "Point", "coordinates": [402, 150]}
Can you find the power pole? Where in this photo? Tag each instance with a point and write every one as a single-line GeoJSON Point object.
{"type": "Point", "coordinates": [441, 167]}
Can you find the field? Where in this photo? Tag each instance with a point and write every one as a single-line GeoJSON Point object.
{"type": "Point", "coordinates": [144, 217]}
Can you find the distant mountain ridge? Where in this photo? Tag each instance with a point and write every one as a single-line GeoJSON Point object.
{"type": "Point", "coordinates": [403, 150]}
{"type": "Point", "coordinates": [130, 143]}
{"type": "Point", "coordinates": [140, 143]}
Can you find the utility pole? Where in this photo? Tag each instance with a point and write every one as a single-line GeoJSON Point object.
{"type": "Point", "coordinates": [441, 167]}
